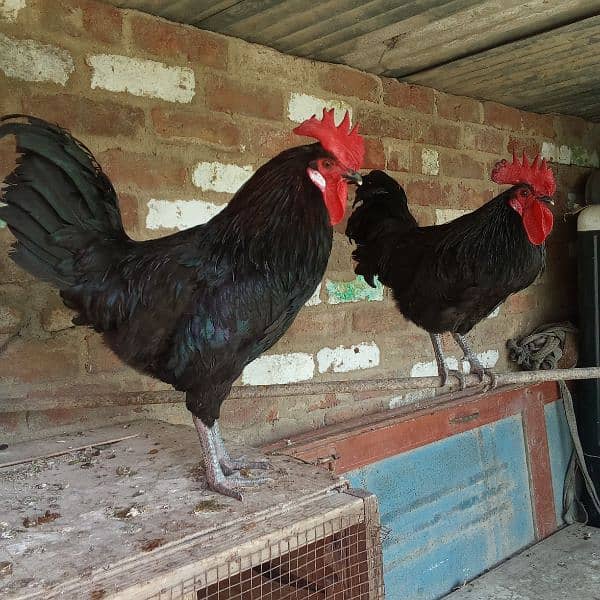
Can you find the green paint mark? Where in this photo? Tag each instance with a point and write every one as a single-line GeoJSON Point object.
{"type": "Point", "coordinates": [2, 224]}
{"type": "Point", "coordinates": [353, 291]}
{"type": "Point", "coordinates": [582, 157]}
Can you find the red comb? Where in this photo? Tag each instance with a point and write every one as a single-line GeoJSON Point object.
{"type": "Point", "coordinates": [345, 144]}
{"type": "Point", "coordinates": [537, 174]}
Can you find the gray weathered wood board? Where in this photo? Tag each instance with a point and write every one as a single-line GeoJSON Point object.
{"type": "Point", "coordinates": [137, 512]}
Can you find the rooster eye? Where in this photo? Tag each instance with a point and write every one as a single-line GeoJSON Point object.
{"type": "Point", "coordinates": [525, 193]}
{"type": "Point", "coordinates": [327, 163]}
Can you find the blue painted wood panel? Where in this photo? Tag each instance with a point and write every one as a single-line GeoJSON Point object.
{"type": "Point", "coordinates": [560, 447]}
{"type": "Point", "coordinates": [451, 509]}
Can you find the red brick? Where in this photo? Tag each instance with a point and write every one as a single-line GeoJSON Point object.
{"type": "Point", "coordinates": [384, 124]}
{"type": "Point", "coordinates": [87, 116]}
{"type": "Point", "coordinates": [571, 128]}
{"type": "Point", "coordinates": [484, 139]}
{"type": "Point", "coordinates": [458, 108]}
{"type": "Point", "coordinates": [470, 196]}
{"type": "Point", "coordinates": [350, 82]}
{"type": "Point", "coordinates": [378, 320]}
{"type": "Point", "coordinates": [520, 303]}
{"type": "Point", "coordinates": [456, 164]}
{"type": "Point", "coordinates": [406, 95]}
{"type": "Point", "coordinates": [437, 134]}
{"type": "Point", "coordinates": [501, 116]}
{"type": "Point", "coordinates": [101, 359]}
{"type": "Point", "coordinates": [425, 192]}
{"type": "Point", "coordinates": [162, 38]}
{"type": "Point", "coordinates": [374, 154]}
{"type": "Point", "coordinates": [9, 271]}
{"type": "Point", "coordinates": [57, 317]}
{"type": "Point", "coordinates": [226, 95]}
{"type": "Point", "coordinates": [63, 16]}
{"type": "Point", "coordinates": [542, 125]}
{"type": "Point", "coordinates": [398, 158]}
{"type": "Point", "coordinates": [34, 360]}
{"type": "Point", "coordinates": [266, 141]}
{"type": "Point", "coordinates": [146, 172]}
{"type": "Point", "coordinates": [531, 146]}
{"type": "Point", "coordinates": [129, 209]}
{"type": "Point", "coordinates": [321, 321]}
{"type": "Point", "coordinates": [102, 22]}
{"type": "Point", "coordinates": [191, 125]}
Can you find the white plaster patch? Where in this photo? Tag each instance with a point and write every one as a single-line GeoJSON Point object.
{"type": "Point", "coordinates": [303, 106]}
{"type": "Point", "coordinates": [443, 215]}
{"type": "Point", "coordinates": [272, 369]}
{"type": "Point", "coordinates": [430, 162]}
{"type": "Point", "coordinates": [9, 9]}
{"type": "Point", "coordinates": [429, 369]}
{"type": "Point", "coordinates": [33, 61]}
{"type": "Point", "coordinates": [495, 312]}
{"type": "Point", "coordinates": [180, 214]}
{"type": "Point", "coordinates": [220, 177]}
{"type": "Point", "coordinates": [315, 298]}
{"type": "Point", "coordinates": [142, 77]}
{"type": "Point", "coordinates": [488, 359]}
{"type": "Point", "coordinates": [341, 360]}
{"type": "Point", "coordinates": [557, 154]}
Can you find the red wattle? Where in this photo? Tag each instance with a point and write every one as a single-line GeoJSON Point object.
{"type": "Point", "coordinates": [335, 198]}
{"type": "Point", "coordinates": [538, 221]}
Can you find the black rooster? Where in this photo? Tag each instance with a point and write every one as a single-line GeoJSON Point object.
{"type": "Point", "coordinates": [193, 308]}
{"type": "Point", "coordinates": [447, 278]}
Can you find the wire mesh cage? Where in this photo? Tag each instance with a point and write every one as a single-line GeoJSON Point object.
{"type": "Point", "coordinates": [335, 559]}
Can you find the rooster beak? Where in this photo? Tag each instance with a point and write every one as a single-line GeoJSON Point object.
{"type": "Point", "coordinates": [548, 200]}
{"type": "Point", "coordinates": [353, 177]}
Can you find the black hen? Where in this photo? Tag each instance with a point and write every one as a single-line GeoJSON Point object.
{"type": "Point", "coordinates": [193, 308]}
{"type": "Point", "coordinates": [447, 278]}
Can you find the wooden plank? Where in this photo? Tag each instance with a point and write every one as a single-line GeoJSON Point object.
{"type": "Point", "coordinates": [533, 73]}
{"type": "Point", "coordinates": [138, 513]}
{"type": "Point", "coordinates": [563, 566]}
{"type": "Point", "coordinates": [540, 475]}
{"type": "Point", "coordinates": [438, 36]}
{"type": "Point", "coordinates": [363, 441]}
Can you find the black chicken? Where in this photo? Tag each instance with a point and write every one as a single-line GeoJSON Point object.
{"type": "Point", "coordinates": [449, 277]}
{"type": "Point", "coordinates": [193, 308]}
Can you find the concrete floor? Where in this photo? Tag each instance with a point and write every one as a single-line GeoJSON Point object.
{"type": "Point", "coordinates": [565, 566]}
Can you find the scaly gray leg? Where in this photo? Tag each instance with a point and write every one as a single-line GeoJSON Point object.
{"type": "Point", "coordinates": [230, 465]}
{"type": "Point", "coordinates": [443, 371]}
{"type": "Point", "coordinates": [471, 358]}
{"type": "Point", "coordinates": [215, 477]}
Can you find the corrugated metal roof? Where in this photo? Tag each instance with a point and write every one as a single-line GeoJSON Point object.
{"type": "Point", "coordinates": [539, 55]}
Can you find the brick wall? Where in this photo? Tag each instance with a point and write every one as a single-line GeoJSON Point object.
{"type": "Point", "coordinates": [179, 118]}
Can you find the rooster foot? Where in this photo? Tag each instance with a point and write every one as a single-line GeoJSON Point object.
{"type": "Point", "coordinates": [214, 457]}
{"type": "Point", "coordinates": [230, 465]}
{"type": "Point", "coordinates": [462, 378]}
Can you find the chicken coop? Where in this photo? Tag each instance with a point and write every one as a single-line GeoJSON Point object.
{"type": "Point", "coordinates": [357, 241]}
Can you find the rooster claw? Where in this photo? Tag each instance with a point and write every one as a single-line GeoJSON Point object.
{"type": "Point", "coordinates": [462, 378]}
{"type": "Point", "coordinates": [230, 465]}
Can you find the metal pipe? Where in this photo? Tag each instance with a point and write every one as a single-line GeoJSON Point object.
{"type": "Point", "coordinates": [21, 398]}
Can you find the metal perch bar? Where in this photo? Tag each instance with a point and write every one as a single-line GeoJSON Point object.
{"type": "Point", "coordinates": [21, 398]}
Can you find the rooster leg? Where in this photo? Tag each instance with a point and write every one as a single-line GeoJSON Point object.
{"type": "Point", "coordinates": [230, 465]}
{"type": "Point", "coordinates": [215, 477]}
{"type": "Point", "coordinates": [443, 371]}
{"type": "Point", "coordinates": [474, 362]}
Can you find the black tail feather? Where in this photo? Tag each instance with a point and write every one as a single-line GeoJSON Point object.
{"type": "Point", "coordinates": [58, 201]}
